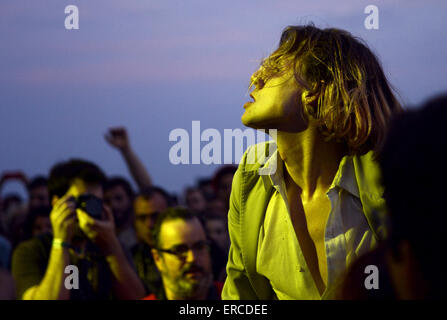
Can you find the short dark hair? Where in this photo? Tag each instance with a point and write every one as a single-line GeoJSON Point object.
{"type": "Point", "coordinates": [168, 215]}
{"type": "Point", "coordinates": [36, 182]}
{"type": "Point", "coordinates": [413, 157]}
{"type": "Point", "coordinates": [62, 175]}
{"type": "Point", "coordinates": [121, 182]}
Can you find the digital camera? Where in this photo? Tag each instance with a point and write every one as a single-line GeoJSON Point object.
{"type": "Point", "coordinates": [91, 205]}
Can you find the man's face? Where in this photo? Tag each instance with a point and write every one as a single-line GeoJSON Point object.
{"type": "Point", "coordinates": [196, 201]}
{"type": "Point", "coordinates": [277, 104]}
{"type": "Point", "coordinates": [146, 213]}
{"type": "Point", "coordinates": [39, 197]}
{"type": "Point", "coordinates": [120, 203]}
{"type": "Point", "coordinates": [78, 188]}
{"type": "Point", "coordinates": [218, 232]}
{"type": "Point", "coordinates": [189, 275]}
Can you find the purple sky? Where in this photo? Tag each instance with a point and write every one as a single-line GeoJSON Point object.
{"type": "Point", "coordinates": [154, 66]}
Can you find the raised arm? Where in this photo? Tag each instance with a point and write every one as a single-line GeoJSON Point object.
{"type": "Point", "coordinates": [119, 139]}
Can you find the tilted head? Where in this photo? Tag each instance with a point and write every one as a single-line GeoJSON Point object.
{"type": "Point", "coordinates": [338, 82]}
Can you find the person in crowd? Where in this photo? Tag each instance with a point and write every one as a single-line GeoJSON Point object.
{"type": "Point", "coordinates": [83, 237]}
{"type": "Point", "coordinates": [222, 183]}
{"type": "Point", "coordinates": [148, 205]}
{"type": "Point", "coordinates": [7, 287]}
{"type": "Point", "coordinates": [38, 193]}
{"type": "Point", "coordinates": [206, 186]}
{"type": "Point", "coordinates": [11, 200]}
{"type": "Point", "coordinates": [216, 207]}
{"type": "Point", "coordinates": [195, 200]}
{"type": "Point", "coordinates": [304, 206]}
{"type": "Point", "coordinates": [37, 222]}
{"type": "Point", "coordinates": [15, 222]}
{"type": "Point", "coordinates": [5, 252]}
{"type": "Point", "coordinates": [409, 262]}
{"type": "Point", "coordinates": [181, 253]}
{"type": "Point", "coordinates": [216, 229]}
{"type": "Point", "coordinates": [119, 196]}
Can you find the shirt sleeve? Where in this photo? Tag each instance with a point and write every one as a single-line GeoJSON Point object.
{"type": "Point", "coordinates": [237, 284]}
{"type": "Point", "coordinates": [26, 266]}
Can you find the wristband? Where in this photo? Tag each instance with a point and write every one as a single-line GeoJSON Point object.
{"type": "Point", "coordinates": [58, 243]}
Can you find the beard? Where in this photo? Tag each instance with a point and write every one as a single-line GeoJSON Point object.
{"type": "Point", "coordinates": [185, 287]}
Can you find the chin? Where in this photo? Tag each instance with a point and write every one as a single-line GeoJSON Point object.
{"type": "Point", "coordinates": [258, 125]}
{"type": "Point", "coordinates": [251, 122]}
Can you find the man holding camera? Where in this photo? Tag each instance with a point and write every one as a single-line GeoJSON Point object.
{"type": "Point", "coordinates": [83, 237]}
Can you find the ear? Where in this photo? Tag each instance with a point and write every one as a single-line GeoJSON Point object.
{"type": "Point", "coordinates": [309, 98]}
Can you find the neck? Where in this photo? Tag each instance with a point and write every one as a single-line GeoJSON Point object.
{"type": "Point", "coordinates": [311, 163]}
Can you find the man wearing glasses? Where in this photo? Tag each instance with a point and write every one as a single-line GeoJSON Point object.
{"type": "Point", "coordinates": [181, 254]}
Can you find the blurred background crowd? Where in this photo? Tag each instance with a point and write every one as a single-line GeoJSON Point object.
{"type": "Point", "coordinates": [135, 211]}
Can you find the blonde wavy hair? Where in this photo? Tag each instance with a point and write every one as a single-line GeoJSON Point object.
{"type": "Point", "coordinates": [355, 100]}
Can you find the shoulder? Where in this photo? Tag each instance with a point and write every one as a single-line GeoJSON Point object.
{"type": "Point", "coordinates": [32, 250]}
{"type": "Point", "coordinates": [42, 242]}
{"type": "Point", "coordinates": [257, 155]}
{"type": "Point", "coordinates": [248, 172]}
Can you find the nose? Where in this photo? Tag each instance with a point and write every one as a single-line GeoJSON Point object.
{"type": "Point", "coordinates": [191, 256]}
{"type": "Point", "coordinates": [251, 95]}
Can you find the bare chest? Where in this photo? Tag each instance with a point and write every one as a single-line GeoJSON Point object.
{"type": "Point", "coordinates": [309, 223]}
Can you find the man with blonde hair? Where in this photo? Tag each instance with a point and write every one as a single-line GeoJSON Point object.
{"type": "Point", "coordinates": [301, 215]}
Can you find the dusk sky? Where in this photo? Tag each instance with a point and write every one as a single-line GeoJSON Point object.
{"type": "Point", "coordinates": [153, 66]}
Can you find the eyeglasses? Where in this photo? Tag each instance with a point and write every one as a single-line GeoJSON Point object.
{"type": "Point", "coordinates": [182, 250]}
{"type": "Point", "coordinates": [142, 217]}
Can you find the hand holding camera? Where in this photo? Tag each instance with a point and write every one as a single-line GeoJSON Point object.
{"type": "Point", "coordinates": [63, 218]}
{"type": "Point", "coordinates": [96, 221]}
{"type": "Point", "coordinates": [94, 218]}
